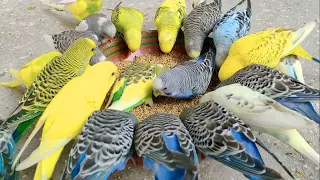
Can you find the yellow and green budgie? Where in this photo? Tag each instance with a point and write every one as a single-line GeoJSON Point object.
{"type": "Point", "coordinates": [129, 22]}
{"type": "Point", "coordinates": [48, 83]}
{"type": "Point", "coordinates": [80, 9]}
{"type": "Point", "coordinates": [65, 116]}
{"type": "Point", "coordinates": [168, 21]}
{"type": "Point", "coordinates": [30, 71]}
{"type": "Point", "coordinates": [134, 86]}
{"type": "Point", "coordinates": [266, 48]}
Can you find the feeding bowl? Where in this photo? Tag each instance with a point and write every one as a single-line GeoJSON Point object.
{"type": "Point", "coordinates": [116, 50]}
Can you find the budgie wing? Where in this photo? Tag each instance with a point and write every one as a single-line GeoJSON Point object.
{"type": "Point", "coordinates": [266, 112]}
{"type": "Point", "coordinates": [103, 145]}
{"type": "Point", "coordinates": [46, 148]}
{"type": "Point", "coordinates": [272, 83]}
{"type": "Point", "coordinates": [151, 141]}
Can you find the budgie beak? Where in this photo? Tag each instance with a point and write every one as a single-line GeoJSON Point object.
{"type": "Point", "coordinates": [156, 93]}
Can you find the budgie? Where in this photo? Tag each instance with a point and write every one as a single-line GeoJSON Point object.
{"type": "Point", "coordinates": [65, 116]}
{"type": "Point", "coordinates": [8, 152]}
{"type": "Point", "coordinates": [80, 9]}
{"type": "Point", "coordinates": [128, 22]}
{"type": "Point", "coordinates": [168, 20]}
{"type": "Point", "coordinates": [266, 48]}
{"type": "Point", "coordinates": [27, 74]}
{"type": "Point", "coordinates": [222, 136]}
{"type": "Point", "coordinates": [61, 41]}
{"type": "Point", "coordinates": [263, 114]}
{"type": "Point", "coordinates": [99, 24]}
{"type": "Point", "coordinates": [48, 83]}
{"type": "Point", "coordinates": [187, 79]}
{"type": "Point", "coordinates": [198, 24]}
{"type": "Point", "coordinates": [134, 86]}
{"type": "Point", "coordinates": [291, 66]}
{"type": "Point", "coordinates": [166, 147]}
{"type": "Point", "coordinates": [233, 25]}
{"type": "Point", "coordinates": [103, 146]}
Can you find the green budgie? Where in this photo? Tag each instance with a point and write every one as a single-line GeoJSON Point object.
{"type": "Point", "coordinates": [48, 83]}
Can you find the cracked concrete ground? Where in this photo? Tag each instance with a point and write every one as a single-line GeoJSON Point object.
{"type": "Point", "coordinates": [23, 24]}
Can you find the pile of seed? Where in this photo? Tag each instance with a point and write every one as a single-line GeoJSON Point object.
{"type": "Point", "coordinates": [161, 103]}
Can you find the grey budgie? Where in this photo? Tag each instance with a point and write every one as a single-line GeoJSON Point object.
{"type": "Point", "coordinates": [220, 135]}
{"type": "Point", "coordinates": [232, 26]}
{"type": "Point", "coordinates": [198, 24]}
{"type": "Point", "coordinates": [99, 24]}
{"type": "Point", "coordinates": [61, 41]}
{"type": "Point", "coordinates": [186, 80]}
{"type": "Point", "coordinates": [103, 146]}
{"type": "Point", "coordinates": [166, 147]}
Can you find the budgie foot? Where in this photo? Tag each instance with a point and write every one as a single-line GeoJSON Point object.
{"type": "Point", "coordinates": [149, 101]}
{"type": "Point", "coordinates": [134, 162]}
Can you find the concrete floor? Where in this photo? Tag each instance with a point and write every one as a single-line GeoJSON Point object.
{"type": "Point", "coordinates": [23, 24]}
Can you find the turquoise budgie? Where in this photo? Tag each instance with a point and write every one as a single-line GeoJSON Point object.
{"type": "Point", "coordinates": [8, 152]}
{"type": "Point", "coordinates": [61, 41]}
{"type": "Point", "coordinates": [103, 146]}
{"type": "Point", "coordinates": [187, 79]}
{"type": "Point", "coordinates": [233, 25]}
{"type": "Point", "coordinates": [198, 24]}
{"type": "Point", "coordinates": [166, 147]}
{"type": "Point", "coordinates": [266, 115]}
{"type": "Point", "coordinates": [222, 136]}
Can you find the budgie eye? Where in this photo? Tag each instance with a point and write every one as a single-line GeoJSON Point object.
{"type": "Point", "coordinates": [112, 74]}
{"type": "Point", "coordinates": [165, 88]}
{"type": "Point", "coordinates": [92, 49]}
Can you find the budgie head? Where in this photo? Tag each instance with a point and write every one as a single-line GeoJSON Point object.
{"type": "Point", "coordinates": [133, 38]}
{"type": "Point", "coordinates": [167, 39]}
{"type": "Point", "coordinates": [193, 46]}
{"type": "Point", "coordinates": [98, 57]}
{"type": "Point", "coordinates": [167, 84]}
{"type": "Point", "coordinates": [84, 47]}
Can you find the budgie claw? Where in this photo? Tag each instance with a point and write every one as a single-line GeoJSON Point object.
{"type": "Point", "coordinates": [149, 102]}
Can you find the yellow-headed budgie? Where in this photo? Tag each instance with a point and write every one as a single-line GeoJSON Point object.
{"type": "Point", "coordinates": [134, 86]}
{"type": "Point", "coordinates": [65, 116]}
{"type": "Point", "coordinates": [168, 21]}
{"type": "Point", "coordinates": [79, 9]}
{"type": "Point", "coordinates": [30, 71]}
{"type": "Point", "coordinates": [266, 48]}
{"type": "Point", "coordinates": [48, 83]}
{"type": "Point", "coordinates": [129, 21]}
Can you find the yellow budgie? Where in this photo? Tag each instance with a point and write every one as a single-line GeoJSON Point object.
{"type": "Point", "coordinates": [66, 115]}
{"type": "Point", "coordinates": [30, 71]}
{"type": "Point", "coordinates": [168, 21]}
{"type": "Point", "coordinates": [79, 9]}
{"type": "Point", "coordinates": [266, 48]}
{"type": "Point", "coordinates": [129, 21]}
{"type": "Point", "coordinates": [134, 86]}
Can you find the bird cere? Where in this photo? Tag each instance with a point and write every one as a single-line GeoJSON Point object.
{"type": "Point", "coordinates": [163, 106]}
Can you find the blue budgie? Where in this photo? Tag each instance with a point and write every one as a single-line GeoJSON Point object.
{"type": "Point", "coordinates": [103, 146]}
{"type": "Point", "coordinates": [232, 26]}
{"type": "Point", "coordinates": [281, 87]}
{"type": "Point", "coordinates": [255, 87]}
{"type": "Point", "coordinates": [220, 135]}
{"type": "Point", "coordinates": [186, 80]}
{"type": "Point", "coordinates": [8, 152]}
{"type": "Point", "coordinates": [198, 25]}
{"type": "Point", "coordinates": [166, 147]}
